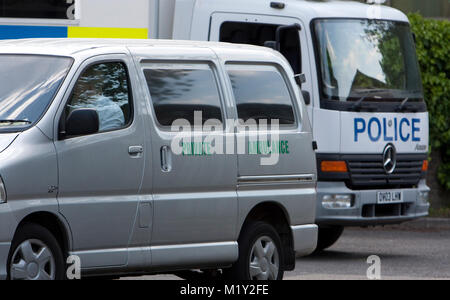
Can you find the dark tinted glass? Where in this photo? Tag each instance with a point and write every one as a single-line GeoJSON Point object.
{"type": "Point", "coordinates": [259, 33]}
{"type": "Point", "coordinates": [262, 95]}
{"type": "Point", "coordinates": [104, 87]}
{"type": "Point", "coordinates": [43, 9]}
{"type": "Point", "coordinates": [179, 93]}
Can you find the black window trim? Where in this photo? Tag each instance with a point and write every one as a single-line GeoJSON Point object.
{"type": "Point", "coordinates": [335, 105]}
{"type": "Point", "coordinates": [217, 79]}
{"type": "Point", "coordinates": [295, 105]}
{"type": "Point", "coordinates": [62, 121]}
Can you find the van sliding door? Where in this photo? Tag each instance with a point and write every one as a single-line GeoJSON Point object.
{"type": "Point", "coordinates": [194, 188]}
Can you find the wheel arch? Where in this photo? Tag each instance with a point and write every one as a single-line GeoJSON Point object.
{"type": "Point", "coordinates": [275, 214]}
{"type": "Point", "coordinates": [53, 223]}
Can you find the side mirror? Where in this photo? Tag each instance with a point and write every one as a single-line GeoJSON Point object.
{"type": "Point", "coordinates": [306, 97]}
{"type": "Point", "coordinates": [82, 122]}
{"type": "Point", "coordinates": [276, 45]}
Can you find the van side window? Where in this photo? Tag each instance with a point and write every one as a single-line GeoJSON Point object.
{"type": "Point", "coordinates": [261, 93]}
{"type": "Point", "coordinates": [177, 93]}
{"type": "Point", "coordinates": [105, 88]}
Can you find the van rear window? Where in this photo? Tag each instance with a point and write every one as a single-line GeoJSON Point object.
{"type": "Point", "coordinates": [180, 93]}
{"type": "Point", "coordinates": [261, 93]}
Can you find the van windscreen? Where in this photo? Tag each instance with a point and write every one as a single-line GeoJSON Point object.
{"type": "Point", "coordinates": [28, 84]}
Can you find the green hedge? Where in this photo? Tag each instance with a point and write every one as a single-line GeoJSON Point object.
{"type": "Point", "coordinates": [433, 49]}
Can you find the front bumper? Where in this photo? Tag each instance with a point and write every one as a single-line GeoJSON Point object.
{"type": "Point", "coordinates": [366, 211]}
{"type": "Point", "coordinates": [4, 252]}
{"type": "Point", "coordinates": [305, 239]}
{"type": "Point", "coordinates": [8, 225]}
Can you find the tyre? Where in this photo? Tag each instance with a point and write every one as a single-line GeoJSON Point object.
{"type": "Point", "coordinates": [35, 255]}
{"type": "Point", "coordinates": [328, 236]}
{"type": "Point", "coordinates": [260, 254]}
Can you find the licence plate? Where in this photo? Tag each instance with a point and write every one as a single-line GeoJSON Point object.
{"type": "Point", "coordinates": [389, 197]}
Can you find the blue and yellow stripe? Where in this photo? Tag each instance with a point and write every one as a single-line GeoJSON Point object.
{"type": "Point", "coordinates": [23, 32]}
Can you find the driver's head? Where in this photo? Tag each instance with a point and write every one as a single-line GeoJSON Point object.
{"type": "Point", "coordinates": [91, 82]}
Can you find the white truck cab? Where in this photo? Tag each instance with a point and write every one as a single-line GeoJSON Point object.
{"type": "Point", "coordinates": [360, 78]}
{"type": "Point", "coordinates": [357, 68]}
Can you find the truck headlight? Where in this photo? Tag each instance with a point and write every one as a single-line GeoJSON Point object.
{"type": "Point", "coordinates": [338, 201]}
{"type": "Point", "coordinates": [424, 197]}
{"type": "Point", "coordinates": [2, 192]}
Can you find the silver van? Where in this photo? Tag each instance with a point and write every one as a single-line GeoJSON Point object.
{"type": "Point", "coordinates": [142, 157]}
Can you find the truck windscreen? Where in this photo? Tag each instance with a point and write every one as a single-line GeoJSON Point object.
{"type": "Point", "coordinates": [371, 60]}
{"type": "Point", "coordinates": [28, 84]}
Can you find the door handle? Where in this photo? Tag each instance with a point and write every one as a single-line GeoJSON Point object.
{"type": "Point", "coordinates": [166, 159]}
{"type": "Point", "coordinates": [135, 150]}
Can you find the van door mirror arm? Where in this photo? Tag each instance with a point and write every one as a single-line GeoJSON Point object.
{"type": "Point", "coordinates": [300, 79]}
{"type": "Point", "coordinates": [62, 127]}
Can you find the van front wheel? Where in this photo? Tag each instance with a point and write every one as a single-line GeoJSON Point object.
{"type": "Point", "coordinates": [35, 255]}
{"type": "Point", "coordinates": [260, 254]}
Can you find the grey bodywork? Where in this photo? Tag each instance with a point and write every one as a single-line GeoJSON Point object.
{"type": "Point", "coordinates": [121, 212]}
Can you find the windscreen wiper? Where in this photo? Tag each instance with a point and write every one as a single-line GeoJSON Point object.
{"type": "Point", "coordinates": [15, 121]}
{"type": "Point", "coordinates": [357, 105]}
{"type": "Point", "coordinates": [402, 106]}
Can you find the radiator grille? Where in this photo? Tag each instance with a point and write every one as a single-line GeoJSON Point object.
{"type": "Point", "coordinates": [367, 171]}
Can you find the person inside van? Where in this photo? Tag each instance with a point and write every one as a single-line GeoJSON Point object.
{"type": "Point", "coordinates": [88, 93]}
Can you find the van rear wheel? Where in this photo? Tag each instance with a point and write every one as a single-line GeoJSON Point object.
{"type": "Point", "coordinates": [328, 236]}
{"type": "Point", "coordinates": [260, 254]}
{"type": "Point", "coordinates": [35, 255]}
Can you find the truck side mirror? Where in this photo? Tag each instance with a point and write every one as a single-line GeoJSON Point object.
{"type": "Point", "coordinates": [276, 45]}
{"type": "Point", "coordinates": [82, 122]}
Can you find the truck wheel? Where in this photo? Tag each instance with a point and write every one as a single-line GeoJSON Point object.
{"type": "Point", "coordinates": [328, 236]}
{"type": "Point", "coordinates": [35, 255]}
{"type": "Point", "coordinates": [260, 254]}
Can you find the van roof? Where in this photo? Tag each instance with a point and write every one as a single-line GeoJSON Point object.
{"type": "Point", "coordinates": [69, 47]}
{"type": "Point", "coordinates": [306, 10]}
{"type": "Point", "coordinates": [347, 9]}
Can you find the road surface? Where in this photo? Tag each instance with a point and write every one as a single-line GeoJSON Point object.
{"type": "Point", "coordinates": [405, 253]}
